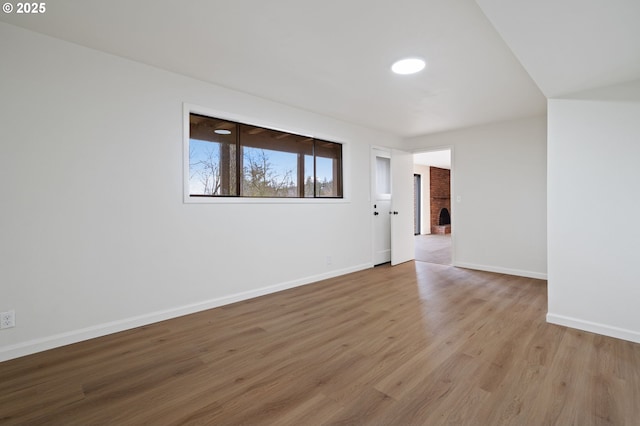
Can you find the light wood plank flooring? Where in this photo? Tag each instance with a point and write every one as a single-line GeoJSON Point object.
{"type": "Point", "coordinates": [415, 344]}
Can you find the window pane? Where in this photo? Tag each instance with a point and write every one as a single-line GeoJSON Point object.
{"type": "Point", "coordinates": [212, 156]}
{"type": "Point", "coordinates": [269, 173]}
{"type": "Point", "coordinates": [234, 159]}
{"type": "Point", "coordinates": [383, 175]}
{"type": "Point", "coordinates": [328, 169]}
{"type": "Point", "coordinates": [273, 162]}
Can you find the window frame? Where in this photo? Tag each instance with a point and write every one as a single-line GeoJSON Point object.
{"type": "Point", "coordinates": [189, 109]}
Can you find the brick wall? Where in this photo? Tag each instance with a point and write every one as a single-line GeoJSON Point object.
{"type": "Point", "coordinates": [440, 193]}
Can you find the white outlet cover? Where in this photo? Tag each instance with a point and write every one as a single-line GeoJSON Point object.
{"type": "Point", "coordinates": [7, 319]}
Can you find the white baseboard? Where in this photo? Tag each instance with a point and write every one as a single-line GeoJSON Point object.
{"type": "Point", "coordinates": [75, 336]}
{"type": "Point", "coordinates": [593, 327]}
{"type": "Point", "coordinates": [500, 270]}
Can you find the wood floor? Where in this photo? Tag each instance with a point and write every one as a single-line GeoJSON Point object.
{"type": "Point", "coordinates": [415, 344]}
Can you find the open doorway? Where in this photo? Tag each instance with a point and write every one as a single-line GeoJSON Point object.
{"type": "Point", "coordinates": [433, 241]}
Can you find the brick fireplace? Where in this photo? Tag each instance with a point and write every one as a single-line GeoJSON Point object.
{"type": "Point", "coordinates": [440, 197]}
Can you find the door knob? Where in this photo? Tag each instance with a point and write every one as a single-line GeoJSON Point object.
{"type": "Point", "coordinates": [395, 212]}
{"type": "Point", "coordinates": [376, 213]}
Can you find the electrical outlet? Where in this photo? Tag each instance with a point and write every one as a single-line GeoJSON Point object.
{"type": "Point", "coordinates": [8, 319]}
{"type": "Point", "coordinates": [329, 260]}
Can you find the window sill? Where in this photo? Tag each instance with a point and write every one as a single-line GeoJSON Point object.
{"type": "Point", "coordinates": [247, 200]}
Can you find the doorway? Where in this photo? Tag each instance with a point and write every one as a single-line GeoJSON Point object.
{"type": "Point", "coordinates": [434, 243]}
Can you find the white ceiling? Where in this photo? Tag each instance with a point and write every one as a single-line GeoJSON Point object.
{"type": "Point", "coordinates": [569, 46]}
{"type": "Point", "coordinates": [440, 159]}
{"type": "Point", "coordinates": [331, 56]}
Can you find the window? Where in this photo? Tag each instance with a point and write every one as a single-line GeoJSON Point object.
{"type": "Point", "coordinates": [230, 159]}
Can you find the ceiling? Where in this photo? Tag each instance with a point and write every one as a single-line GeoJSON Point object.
{"type": "Point", "coordinates": [570, 46]}
{"type": "Point", "coordinates": [333, 57]}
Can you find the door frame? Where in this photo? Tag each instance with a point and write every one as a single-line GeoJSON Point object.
{"type": "Point", "coordinates": [454, 196]}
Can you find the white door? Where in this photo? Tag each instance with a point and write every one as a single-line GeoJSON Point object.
{"type": "Point", "coordinates": [381, 204]}
{"type": "Point", "coordinates": [402, 238]}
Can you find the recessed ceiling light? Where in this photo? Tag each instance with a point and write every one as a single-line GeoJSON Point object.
{"type": "Point", "coordinates": [222, 132]}
{"type": "Point", "coordinates": [408, 66]}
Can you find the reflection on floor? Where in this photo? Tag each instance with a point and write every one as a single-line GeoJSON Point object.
{"type": "Point", "coordinates": [433, 248]}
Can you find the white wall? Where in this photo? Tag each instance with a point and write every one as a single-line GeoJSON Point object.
{"type": "Point", "coordinates": [594, 211]}
{"type": "Point", "coordinates": [499, 173]}
{"type": "Point", "coordinates": [95, 235]}
{"type": "Point", "coordinates": [425, 195]}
